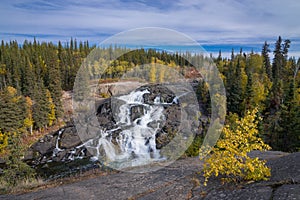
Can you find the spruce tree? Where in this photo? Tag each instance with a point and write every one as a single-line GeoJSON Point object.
{"type": "Point", "coordinates": [55, 82]}
{"type": "Point", "coordinates": [28, 79]}
{"type": "Point", "coordinates": [275, 109]}
{"type": "Point", "coordinates": [290, 132]}
{"type": "Point", "coordinates": [248, 104]}
{"type": "Point", "coordinates": [266, 59]}
{"type": "Point", "coordinates": [12, 108]}
{"type": "Point", "coordinates": [235, 92]}
{"type": "Point", "coordinates": [41, 106]}
{"type": "Point", "coordinates": [277, 61]}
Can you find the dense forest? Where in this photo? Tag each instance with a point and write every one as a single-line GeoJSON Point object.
{"type": "Point", "coordinates": [33, 76]}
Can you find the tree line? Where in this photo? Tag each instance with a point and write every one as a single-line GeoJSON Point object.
{"type": "Point", "coordinates": [272, 85]}
{"type": "Point", "coordinates": [33, 76]}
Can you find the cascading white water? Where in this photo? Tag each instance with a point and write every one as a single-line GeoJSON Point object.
{"type": "Point", "coordinates": [135, 143]}
{"type": "Point", "coordinates": [57, 149]}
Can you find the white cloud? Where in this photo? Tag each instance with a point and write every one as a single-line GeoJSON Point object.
{"type": "Point", "coordinates": [215, 21]}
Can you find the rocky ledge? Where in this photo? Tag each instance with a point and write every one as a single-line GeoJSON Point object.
{"type": "Point", "coordinates": [180, 180]}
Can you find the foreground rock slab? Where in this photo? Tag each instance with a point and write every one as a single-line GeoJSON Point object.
{"type": "Point", "coordinates": [180, 180]}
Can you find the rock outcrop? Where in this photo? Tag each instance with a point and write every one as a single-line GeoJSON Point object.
{"type": "Point", "coordinates": [181, 181]}
{"type": "Point", "coordinates": [117, 88]}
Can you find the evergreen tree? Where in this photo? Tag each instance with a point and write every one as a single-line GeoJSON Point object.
{"type": "Point", "coordinates": [3, 142]}
{"type": "Point", "coordinates": [250, 80]}
{"type": "Point", "coordinates": [41, 106]}
{"type": "Point", "coordinates": [277, 61]}
{"type": "Point", "coordinates": [266, 59]}
{"type": "Point", "coordinates": [12, 110]}
{"type": "Point", "coordinates": [290, 132]}
{"type": "Point", "coordinates": [55, 82]}
{"type": "Point", "coordinates": [235, 92]}
{"type": "Point", "coordinates": [28, 121]}
{"type": "Point", "coordinates": [249, 95]}
{"type": "Point", "coordinates": [204, 97]}
{"type": "Point", "coordinates": [275, 114]}
{"type": "Point", "coordinates": [28, 79]}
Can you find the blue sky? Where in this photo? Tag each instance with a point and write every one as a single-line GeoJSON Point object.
{"type": "Point", "coordinates": [210, 22]}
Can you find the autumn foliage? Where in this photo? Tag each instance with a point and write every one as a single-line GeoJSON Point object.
{"type": "Point", "coordinates": [229, 157]}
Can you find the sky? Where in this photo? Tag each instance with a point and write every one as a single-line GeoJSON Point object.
{"type": "Point", "coordinates": [213, 23]}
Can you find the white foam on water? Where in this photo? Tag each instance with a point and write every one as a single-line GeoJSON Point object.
{"type": "Point", "coordinates": [135, 144]}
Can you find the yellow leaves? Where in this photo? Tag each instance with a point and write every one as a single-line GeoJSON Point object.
{"type": "Point", "coordinates": [3, 141]}
{"type": "Point", "coordinates": [51, 115]}
{"type": "Point", "coordinates": [28, 101]}
{"type": "Point", "coordinates": [229, 156]}
{"type": "Point", "coordinates": [250, 167]}
{"type": "Point", "coordinates": [172, 64]}
{"type": "Point", "coordinates": [11, 91]}
{"type": "Point", "coordinates": [152, 74]}
{"type": "Point", "coordinates": [2, 69]}
{"type": "Point", "coordinates": [244, 78]}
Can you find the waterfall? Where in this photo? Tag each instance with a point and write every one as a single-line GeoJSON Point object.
{"type": "Point", "coordinates": [57, 149]}
{"type": "Point", "coordinates": [132, 140]}
{"type": "Point", "coordinates": [136, 142]}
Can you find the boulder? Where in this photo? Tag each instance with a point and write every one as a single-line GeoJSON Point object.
{"type": "Point", "coordinates": [29, 155]}
{"type": "Point", "coordinates": [165, 95]}
{"type": "Point", "coordinates": [59, 156]}
{"type": "Point", "coordinates": [53, 147]}
{"type": "Point", "coordinates": [45, 145]}
{"type": "Point", "coordinates": [118, 88]}
{"type": "Point", "coordinates": [70, 138]}
{"type": "Point", "coordinates": [136, 112]}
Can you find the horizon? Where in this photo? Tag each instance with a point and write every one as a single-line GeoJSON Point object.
{"type": "Point", "coordinates": [215, 25]}
{"type": "Point", "coordinates": [214, 49]}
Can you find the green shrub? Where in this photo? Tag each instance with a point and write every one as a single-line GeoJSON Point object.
{"type": "Point", "coordinates": [193, 149]}
{"type": "Point", "coordinates": [16, 170]}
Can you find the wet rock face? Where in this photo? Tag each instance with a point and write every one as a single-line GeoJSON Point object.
{"type": "Point", "coordinates": [165, 95]}
{"type": "Point", "coordinates": [158, 95]}
{"type": "Point", "coordinates": [66, 144]}
{"type": "Point", "coordinates": [55, 147]}
{"type": "Point", "coordinates": [136, 112]}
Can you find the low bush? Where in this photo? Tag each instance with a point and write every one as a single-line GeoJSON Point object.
{"type": "Point", "coordinates": [229, 157]}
